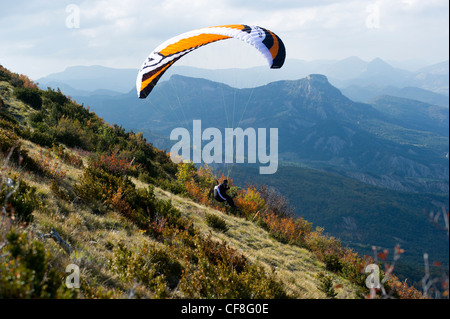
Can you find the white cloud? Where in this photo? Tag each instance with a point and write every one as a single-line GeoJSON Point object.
{"type": "Point", "coordinates": [35, 39]}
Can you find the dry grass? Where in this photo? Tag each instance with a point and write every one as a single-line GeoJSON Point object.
{"type": "Point", "coordinates": [296, 266]}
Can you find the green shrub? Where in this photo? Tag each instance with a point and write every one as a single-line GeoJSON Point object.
{"type": "Point", "coordinates": [42, 139]}
{"type": "Point", "coordinates": [326, 285]}
{"type": "Point", "coordinates": [185, 172]}
{"type": "Point", "coordinates": [5, 116]}
{"type": "Point", "coordinates": [166, 265]}
{"type": "Point", "coordinates": [216, 222]}
{"type": "Point", "coordinates": [21, 200]}
{"type": "Point", "coordinates": [58, 191]}
{"type": "Point", "coordinates": [71, 133]}
{"type": "Point", "coordinates": [30, 96]}
{"type": "Point", "coordinates": [150, 266]}
{"type": "Point", "coordinates": [145, 178]}
{"type": "Point", "coordinates": [332, 263]}
{"type": "Point", "coordinates": [92, 186]}
{"type": "Point", "coordinates": [10, 146]}
{"type": "Point", "coordinates": [173, 186]}
{"type": "Point", "coordinates": [8, 140]}
{"type": "Point", "coordinates": [37, 117]}
{"type": "Point", "coordinates": [26, 273]}
{"type": "Point", "coordinates": [233, 276]}
{"type": "Point", "coordinates": [55, 96]}
{"type": "Point", "coordinates": [98, 186]}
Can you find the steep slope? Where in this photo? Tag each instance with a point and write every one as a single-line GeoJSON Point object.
{"type": "Point", "coordinates": [94, 238]}
{"type": "Point", "coordinates": [414, 114]}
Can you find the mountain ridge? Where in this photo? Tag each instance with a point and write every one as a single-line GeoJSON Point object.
{"type": "Point", "coordinates": [297, 108]}
{"type": "Point", "coordinates": [351, 71]}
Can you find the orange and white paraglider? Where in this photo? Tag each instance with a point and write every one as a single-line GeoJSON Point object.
{"type": "Point", "coordinates": [166, 54]}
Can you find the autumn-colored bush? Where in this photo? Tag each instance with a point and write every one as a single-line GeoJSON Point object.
{"type": "Point", "coordinates": [321, 244]}
{"type": "Point", "coordinates": [353, 266]}
{"type": "Point", "coordinates": [196, 192]}
{"type": "Point", "coordinates": [250, 202]}
{"type": "Point", "coordinates": [67, 157]}
{"type": "Point", "coordinates": [403, 290]}
{"type": "Point", "coordinates": [199, 184]}
{"type": "Point", "coordinates": [119, 204]}
{"type": "Point", "coordinates": [206, 179]}
{"type": "Point", "coordinates": [17, 80]}
{"type": "Point", "coordinates": [112, 164]}
{"type": "Point", "coordinates": [49, 165]}
{"type": "Point", "coordinates": [287, 230]}
{"type": "Point", "coordinates": [27, 82]}
{"type": "Point", "coordinates": [157, 227]}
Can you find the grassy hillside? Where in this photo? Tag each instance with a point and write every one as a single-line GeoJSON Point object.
{"type": "Point", "coordinates": [78, 191]}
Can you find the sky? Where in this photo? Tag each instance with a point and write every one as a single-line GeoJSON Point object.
{"type": "Point", "coordinates": [41, 37]}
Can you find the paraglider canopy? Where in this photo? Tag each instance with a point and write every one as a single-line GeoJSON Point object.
{"type": "Point", "coordinates": [166, 54]}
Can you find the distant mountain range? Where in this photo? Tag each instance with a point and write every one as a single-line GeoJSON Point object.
{"type": "Point", "coordinates": [393, 142]}
{"type": "Point", "coordinates": [366, 94]}
{"type": "Point", "coordinates": [86, 80]}
{"type": "Point", "coordinates": [359, 80]}
{"type": "Point", "coordinates": [322, 126]}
